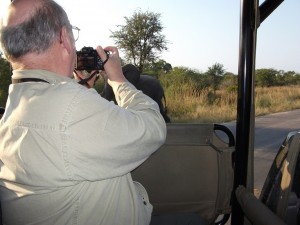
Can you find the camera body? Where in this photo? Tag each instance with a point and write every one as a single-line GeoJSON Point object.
{"type": "Point", "coordinates": [88, 59]}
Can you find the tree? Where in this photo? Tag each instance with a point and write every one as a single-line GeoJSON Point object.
{"type": "Point", "coordinates": [183, 81]}
{"type": "Point", "coordinates": [266, 77]}
{"type": "Point", "coordinates": [157, 68]}
{"type": "Point", "coordinates": [291, 78]}
{"type": "Point", "coordinates": [141, 38]}
{"type": "Point", "coordinates": [215, 72]}
{"type": "Point", "coordinates": [229, 82]}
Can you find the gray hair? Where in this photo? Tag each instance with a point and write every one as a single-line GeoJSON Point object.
{"type": "Point", "coordinates": [37, 33]}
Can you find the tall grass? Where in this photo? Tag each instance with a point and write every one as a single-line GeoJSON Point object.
{"type": "Point", "coordinates": [188, 103]}
{"type": "Point", "coordinates": [206, 106]}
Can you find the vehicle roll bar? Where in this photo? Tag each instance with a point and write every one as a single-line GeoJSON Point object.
{"type": "Point", "coordinates": [251, 16]}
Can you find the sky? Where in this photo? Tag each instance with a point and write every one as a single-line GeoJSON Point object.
{"type": "Point", "coordinates": [200, 33]}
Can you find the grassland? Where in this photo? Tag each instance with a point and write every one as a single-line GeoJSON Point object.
{"type": "Point", "coordinates": [206, 106]}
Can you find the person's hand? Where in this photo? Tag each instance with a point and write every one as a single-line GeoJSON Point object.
{"type": "Point", "coordinates": [112, 67]}
{"type": "Point", "coordinates": [84, 75]}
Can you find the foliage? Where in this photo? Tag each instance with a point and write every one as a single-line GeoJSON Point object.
{"type": "Point", "coordinates": [229, 82]}
{"type": "Point", "coordinates": [183, 81]}
{"type": "Point", "coordinates": [5, 80]}
{"type": "Point", "coordinates": [272, 77]}
{"type": "Point", "coordinates": [288, 78]}
{"type": "Point", "coordinates": [191, 97]}
{"type": "Point", "coordinates": [141, 38]}
{"type": "Point", "coordinates": [215, 72]}
{"type": "Point", "coordinates": [157, 68]}
{"type": "Point", "coordinates": [266, 77]}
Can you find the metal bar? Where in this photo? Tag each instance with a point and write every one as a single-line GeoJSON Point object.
{"type": "Point", "coordinates": [251, 16]}
{"type": "Point", "coordinates": [267, 7]}
{"type": "Point", "coordinates": [245, 106]}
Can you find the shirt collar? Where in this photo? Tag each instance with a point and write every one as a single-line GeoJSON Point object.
{"type": "Point", "coordinates": [52, 78]}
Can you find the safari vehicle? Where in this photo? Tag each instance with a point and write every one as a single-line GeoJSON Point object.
{"type": "Point", "coordinates": [207, 170]}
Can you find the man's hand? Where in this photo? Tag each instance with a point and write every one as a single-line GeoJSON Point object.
{"type": "Point", "coordinates": [112, 67]}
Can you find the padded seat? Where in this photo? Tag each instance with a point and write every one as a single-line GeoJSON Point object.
{"type": "Point", "coordinates": [191, 173]}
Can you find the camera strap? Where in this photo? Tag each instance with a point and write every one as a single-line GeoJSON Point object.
{"type": "Point", "coordinates": [84, 81]}
{"type": "Point", "coordinates": [107, 57]}
{"type": "Point", "coordinates": [22, 80]}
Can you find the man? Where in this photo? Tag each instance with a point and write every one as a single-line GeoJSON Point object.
{"type": "Point", "coordinates": [65, 152]}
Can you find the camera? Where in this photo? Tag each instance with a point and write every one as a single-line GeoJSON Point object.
{"type": "Point", "coordinates": [88, 59]}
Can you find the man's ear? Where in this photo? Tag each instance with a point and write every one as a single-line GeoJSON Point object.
{"type": "Point", "coordinates": [65, 40]}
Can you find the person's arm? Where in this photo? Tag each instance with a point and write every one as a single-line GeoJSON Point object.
{"type": "Point", "coordinates": [110, 140]}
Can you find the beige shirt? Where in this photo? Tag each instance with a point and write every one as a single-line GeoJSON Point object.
{"type": "Point", "coordinates": [66, 153]}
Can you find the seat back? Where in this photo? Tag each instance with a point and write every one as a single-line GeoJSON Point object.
{"type": "Point", "coordinates": [279, 201]}
{"type": "Point", "coordinates": [281, 190]}
{"type": "Point", "coordinates": [191, 172]}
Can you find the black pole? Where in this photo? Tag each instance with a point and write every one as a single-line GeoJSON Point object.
{"type": "Point", "coordinates": [267, 7]}
{"type": "Point", "coordinates": [245, 105]}
{"type": "Point", "coordinates": [250, 18]}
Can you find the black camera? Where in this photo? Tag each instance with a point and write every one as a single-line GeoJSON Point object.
{"type": "Point", "coordinates": [88, 59]}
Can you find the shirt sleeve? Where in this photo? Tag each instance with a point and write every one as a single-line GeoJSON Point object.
{"type": "Point", "coordinates": [106, 140]}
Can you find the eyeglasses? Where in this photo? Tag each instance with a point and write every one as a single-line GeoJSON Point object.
{"type": "Point", "coordinates": [75, 32]}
